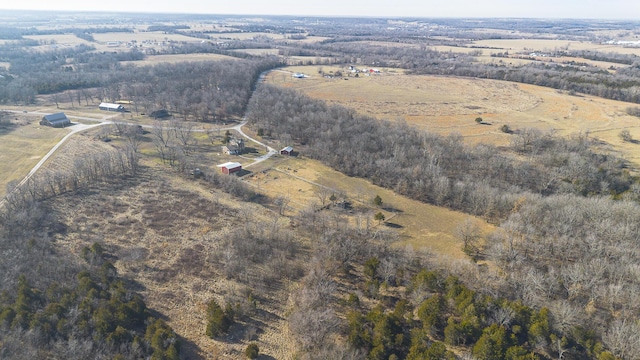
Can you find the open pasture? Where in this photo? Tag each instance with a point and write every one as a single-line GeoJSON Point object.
{"type": "Point", "coordinates": [246, 35]}
{"type": "Point", "coordinates": [258, 52]}
{"type": "Point", "coordinates": [448, 105]}
{"type": "Point", "coordinates": [156, 59]}
{"type": "Point", "coordinates": [140, 36]}
{"type": "Point", "coordinates": [515, 45]}
{"type": "Point", "coordinates": [306, 182]}
{"type": "Point", "coordinates": [57, 41]}
{"type": "Point", "coordinates": [22, 145]}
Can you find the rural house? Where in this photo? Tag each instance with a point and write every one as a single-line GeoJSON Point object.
{"type": "Point", "coordinates": [234, 147]}
{"type": "Point", "coordinates": [230, 167]}
{"type": "Point", "coordinates": [55, 120]}
{"type": "Point", "coordinates": [286, 151]}
{"type": "Point", "coordinates": [111, 107]}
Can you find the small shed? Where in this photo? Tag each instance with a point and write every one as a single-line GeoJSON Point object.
{"type": "Point", "coordinates": [286, 151]}
{"type": "Point", "coordinates": [55, 120]}
{"type": "Point", "coordinates": [230, 167]}
{"type": "Point", "coordinates": [111, 107]}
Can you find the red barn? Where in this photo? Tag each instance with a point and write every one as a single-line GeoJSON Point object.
{"type": "Point", "coordinates": [230, 167]}
{"type": "Point", "coordinates": [286, 151]}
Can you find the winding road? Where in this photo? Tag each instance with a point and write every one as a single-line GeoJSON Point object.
{"type": "Point", "coordinates": [79, 127]}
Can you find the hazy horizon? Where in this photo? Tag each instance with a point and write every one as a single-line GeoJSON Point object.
{"type": "Point", "coordinates": [569, 9]}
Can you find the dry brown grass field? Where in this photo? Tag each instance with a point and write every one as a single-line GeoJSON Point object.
{"type": "Point", "coordinates": [515, 60]}
{"type": "Point", "coordinates": [550, 45]}
{"type": "Point", "coordinates": [449, 105]}
{"type": "Point", "coordinates": [23, 144]}
{"type": "Point", "coordinates": [258, 52]}
{"type": "Point", "coordinates": [421, 226]}
{"type": "Point", "coordinates": [156, 59]}
{"type": "Point", "coordinates": [140, 36]}
{"type": "Point", "coordinates": [158, 227]}
{"type": "Point", "coordinates": [60, 40]}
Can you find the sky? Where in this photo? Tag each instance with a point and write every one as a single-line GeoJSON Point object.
{"type": "Point", "coordinates": [576, 9]}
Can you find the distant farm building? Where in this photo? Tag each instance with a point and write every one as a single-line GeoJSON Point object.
{"type": "Point", "coordinates": [286, 151]}
{"type": "Point", "coordinates": [234, 147]}
{"type": "Point", "coordinates": [55, 120]}
{"type": "Point", "coordinates": [160, 114]}
{"type": "Point", "coordinates": [111, 107]}
{"type": "Point", "coordinates": [230, 167]}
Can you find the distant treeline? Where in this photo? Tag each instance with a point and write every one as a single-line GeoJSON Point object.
{"type": "Point", "coordinates": [167, 28]}
{"type": "Point", "coordinates": [622, 85]}
{"type": "Point", "coordinates": [9, 33]}
{"type": "Point", "coordinates": [201, 91]}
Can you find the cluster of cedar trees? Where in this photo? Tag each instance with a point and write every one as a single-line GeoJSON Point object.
{"type": "Point", "coordinates": [95, 317]}
{"type": "Point", "coordinates": [389, 304]}
{"type": "Point", "coordinates": [567, 235]}
{"type": "Point", "coordinates": [51, 306]}
{"type": "Point", "coordinates": [452, 314]}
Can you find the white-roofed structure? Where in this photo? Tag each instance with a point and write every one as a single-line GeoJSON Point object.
{"type": "Point", "coordinates": [111, 107]}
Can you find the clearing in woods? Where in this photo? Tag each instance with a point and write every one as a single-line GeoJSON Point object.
{"type": "Point", "coordinates": [447, 105]}
{"type": "Point", "coordinates": [305, 182]}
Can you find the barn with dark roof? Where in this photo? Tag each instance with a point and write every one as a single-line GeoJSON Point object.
{"type": "Point", "coordinates": [55, 120]}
